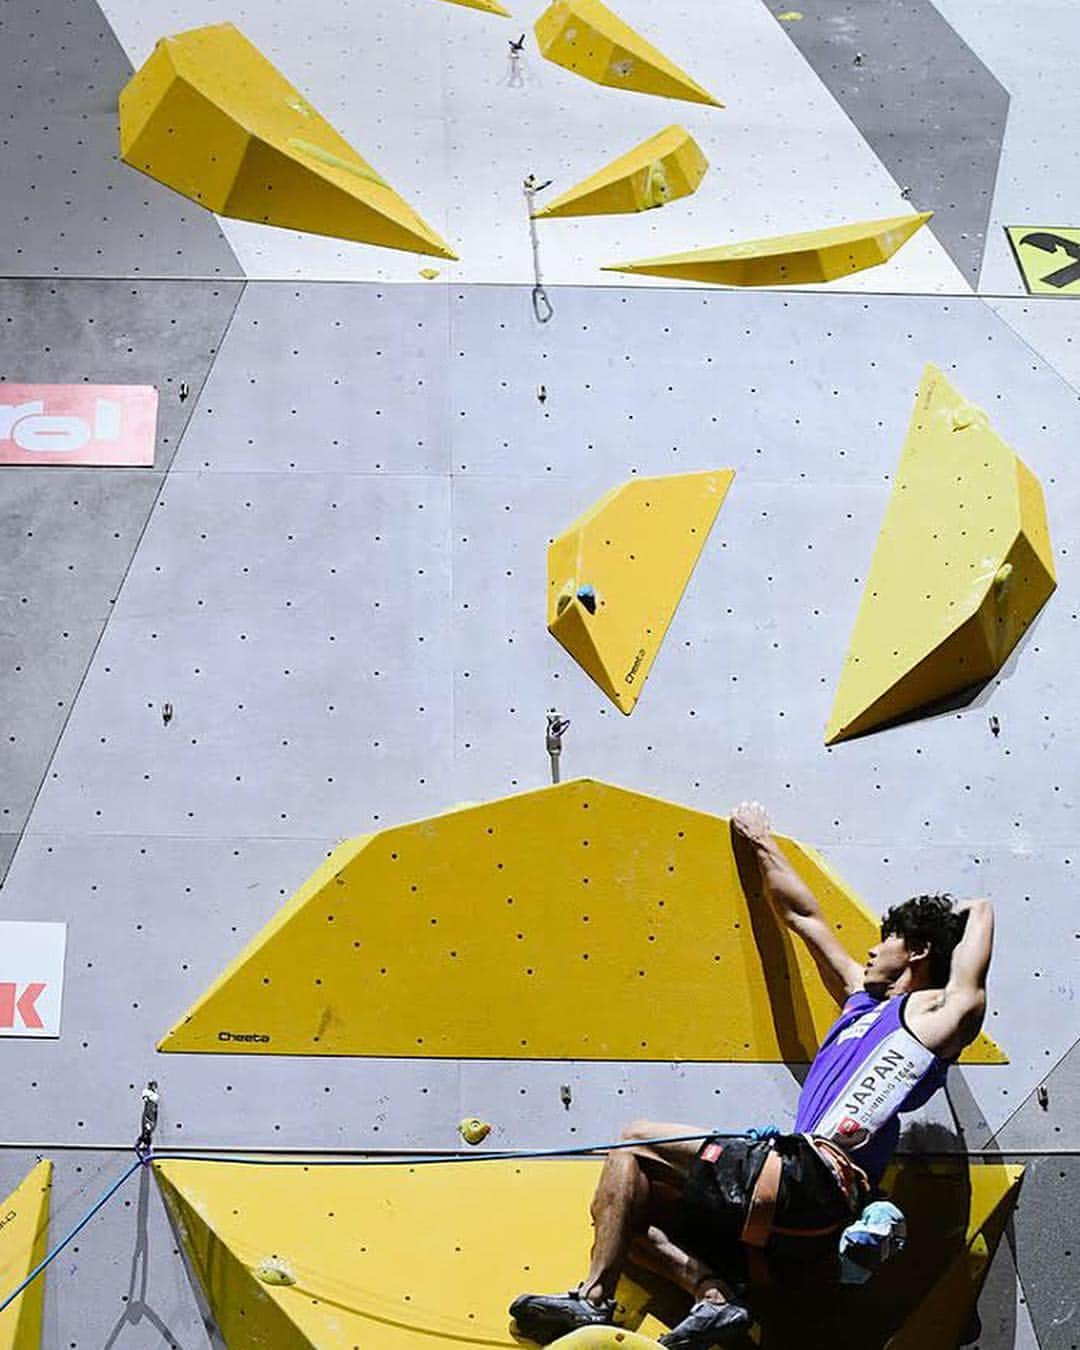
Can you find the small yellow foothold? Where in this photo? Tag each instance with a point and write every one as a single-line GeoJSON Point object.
{"type": "Point", "coordinates": [474, 1130]}
{"type": "Point", "coordinates": [1002, 575]}
{"type": "Point", "coordinates": [790, 16]}
{"type": "Point", "coordinates": [968, 416]}
{"type": "Point", "coordinates": [429, 273]}
{"type": "Point", "coordinates": [274, 1271]}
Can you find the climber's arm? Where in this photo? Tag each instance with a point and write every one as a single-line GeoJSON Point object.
{"type": "Point", "coordinates": [795, 906]}
{"type": "Point", "coordinates": [946, 1020]}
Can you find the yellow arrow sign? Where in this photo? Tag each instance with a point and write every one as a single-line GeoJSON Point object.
{"type": "Point", "coordinates": [1048, 258]}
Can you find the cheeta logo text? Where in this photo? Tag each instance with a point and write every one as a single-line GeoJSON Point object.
{"type": "Point", "coordinates": [243, 1036]}
{"type": "Point", "coordinates": [5, 1219]}
{"type": "Point", "coordinates": [631, 674]}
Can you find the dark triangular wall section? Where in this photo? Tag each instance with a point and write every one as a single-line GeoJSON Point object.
{"type": "Point", "coordinates": [1047, 1230]}
{"type": "Point", "coordinates": [1044, 1235]}
{"type": "Point", "coordinates": [70, 207]}
{"type": "Point", "coordinates": [930, 110]}
{"type": "Point", "coordinates": [8, 844]}
{"type": "Point", "coordinates": [69, 534]}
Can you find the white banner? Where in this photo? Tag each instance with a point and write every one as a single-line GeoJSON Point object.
{"type": "Point", "coordinates": [31, 978]}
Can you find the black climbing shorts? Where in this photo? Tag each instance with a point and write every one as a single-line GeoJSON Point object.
{"type": "Point", "coordinates": [718, 1190]}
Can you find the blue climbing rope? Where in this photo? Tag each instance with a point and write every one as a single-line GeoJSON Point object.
{"type": "Point", "coordinates": [55, 1251]}
{"type": "Point", "coordinates": [361, 1160]}
{"type": "Point", "coordinates": [176, 1155]}
{"type": "Point", "coordinates": [422, 1159]}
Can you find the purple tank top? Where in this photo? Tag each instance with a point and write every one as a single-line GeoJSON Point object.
{"type": "Point", "coordinates": [869, 1069]}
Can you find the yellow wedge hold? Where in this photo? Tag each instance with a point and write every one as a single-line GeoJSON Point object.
{"type": "Point", "coordinates": [383, 1257]}
{"type": "Point", "coordinates": [388, 1256]}
{"type": "Point", "coordinates": [24, 1239]}
{"type": "Point", "coordinates": [483, 933]}
{"type": "Point", "coordinates": [660, 170]}
{"type": "Point", "coordinates": [209, 116]}
{"type": "Point", "coordinates": [939, 1321]}
{"type": "Point", "coordinates": [617, 574]}
{"type": "Point", "coordinates": [488, 6]}
{"type": "Point", "coordinates": [787, 259]}
{"type": "Point", "coordinates": [956, 1212]}
{"type": "Point", "coordinates": [963, 564]}
{"type": "Point", "coordinates": [588, 38]}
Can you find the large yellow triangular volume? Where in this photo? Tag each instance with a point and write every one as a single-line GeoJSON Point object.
{"type": "Point", "coordinates": [485, 932]}
{"type": "Point", "coordinates": [209, 116]}
{"type": "Point", "coordinates": [384, 1257]}
{"type": "Point", "coordinates": [587, 38]}
{"type": "Point", "coordinates": [660, 170]}
{"type": "Point", "coordinates": [962, 566]}
{"type": "Point", "coordinates": [24, 1234]}
{"type": "Point", "coordinates": [956, 1213]}
{"type": "Point", "coordinates": [389, 1257]}
{"type": "Point", "coordinates": [787, 259]}
{"type": "Point", "coordinates": [617, 574]}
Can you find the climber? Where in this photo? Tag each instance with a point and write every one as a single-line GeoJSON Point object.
{"type": "Point", "coordinates": [713, 1216]}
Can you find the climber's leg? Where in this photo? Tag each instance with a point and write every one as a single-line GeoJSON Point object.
{"type": "Point", "coordinates": [621, 1202]}
{"type": "Point", "coordinates": [620, 1208]}
{"type": "Point", "coordinates": [654, 1251]}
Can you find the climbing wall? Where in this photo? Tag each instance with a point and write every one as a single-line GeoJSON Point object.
{"type": "Point", "coordinates": [321, 613]}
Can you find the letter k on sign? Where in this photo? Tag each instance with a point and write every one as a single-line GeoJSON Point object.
{"type": "Point", "coordinates": [31, 978]}
{"type": "Point", "coordinates": [18, 1001]}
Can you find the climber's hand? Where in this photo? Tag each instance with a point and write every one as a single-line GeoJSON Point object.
{"type": "Point", "coordinates": [750, 821]}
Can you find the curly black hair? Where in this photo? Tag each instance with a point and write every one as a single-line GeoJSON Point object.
{"type": "Point", "coordinates": [928, 921]}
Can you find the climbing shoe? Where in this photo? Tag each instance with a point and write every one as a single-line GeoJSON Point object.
{"type": "Point", "coordinates": [546, 1317]}
{"type": "Point", "coordinates": [708, 1324]}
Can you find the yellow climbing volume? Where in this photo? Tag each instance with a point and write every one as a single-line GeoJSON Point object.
{"type": "Point", "coordinates": [586, 37]}
{"type": "Point", "coordinates": [538, 926]}
{"type": "Point", "coordinates": [208, 115]}
{"type": "Point", "coordinates": [963, 565]}
{"type": "Point", "coordinates": [293, 1257]}
{"type": "Point", "coordinates": [24, 1234]}
{"type": "Point", "coordinates": [956, 1212]}
{"type": "Point", "coordinates": [387, 1257]}
{"type": "Point", "coordinates": [662, 169]}
{"type": "Point", "coordinates": [617, 574]}
{"type": "Point", "coordinates": [787, 259]}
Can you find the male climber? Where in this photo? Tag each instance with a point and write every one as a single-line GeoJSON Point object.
{"type": "Point", "coordinates": [712, 1216]}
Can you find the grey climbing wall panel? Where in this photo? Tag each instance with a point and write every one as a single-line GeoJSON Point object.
{"type": "Point", "coordinates": [334, 574]}
{"type": "Point", "coordinates": [71, 532]}
{"type": "Point", "coordinates": [931, 110]}
{"type": "Point", "coordinates": [8, 844]}
{"type": "Point", "coordinates": [1004, 1318]}
{"type": "Point", "coordinates": [329, 379]}
{"type": "Point", "coordinates": [344, 650]}
{"type": "Point", "coordinates": [122, 1283]}
{"type": "Point", "coordinates": [70, 207]}
{"type": "Point", "coordinates": [1051, 330]}
{"type": "Point", "coordinates": [1050, 1112]}
{"type": "Point", "coordinates": [1047, 1252]}
{"type": "Point", "coordinates": [1046, 1225]}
